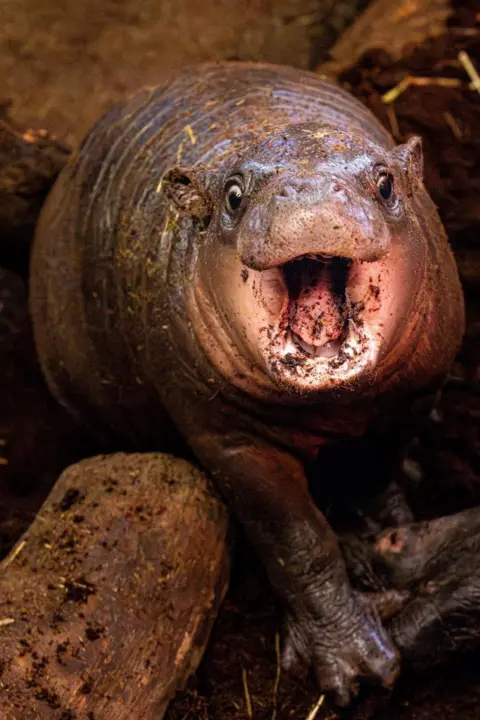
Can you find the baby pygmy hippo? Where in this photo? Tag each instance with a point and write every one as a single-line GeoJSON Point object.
{"type": "Point", "coordinates": [425, 577]}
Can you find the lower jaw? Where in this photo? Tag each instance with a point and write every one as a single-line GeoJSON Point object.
{"type": "Point", "coordinates": [328, 350]}
{"type": "Point", "coordinates": [293, 344]}
{"type": "Point", "coordinates": [346, 360]}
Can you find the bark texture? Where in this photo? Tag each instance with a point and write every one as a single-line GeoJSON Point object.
{"type": "Point", "coordinates": [108, 599]}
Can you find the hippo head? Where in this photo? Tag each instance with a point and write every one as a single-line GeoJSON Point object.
{"type": "Point", "coordinates": [310, 265]}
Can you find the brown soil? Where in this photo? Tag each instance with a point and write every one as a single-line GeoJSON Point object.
{"type": "Point", "coordinates": [55, 54]}
{"type": "Point", "coordinates": [37, 438]}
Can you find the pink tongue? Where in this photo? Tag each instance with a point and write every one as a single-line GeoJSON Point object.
{"type": "Point", "coordinates": [316, 315]}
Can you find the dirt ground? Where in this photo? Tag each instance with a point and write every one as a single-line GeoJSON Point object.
{"type": "Point", "coordinates": [35, 438]}
{"type": "Point", "coordinates": [54, 54]}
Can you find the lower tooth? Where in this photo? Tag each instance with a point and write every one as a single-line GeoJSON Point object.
{"type": "Point", "coordinates": [329, 349]}
{"type": "Point", "coordinates": [305, 346]}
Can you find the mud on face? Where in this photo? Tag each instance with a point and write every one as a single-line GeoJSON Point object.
{"type": "Point", "coordinates": [313, 260]}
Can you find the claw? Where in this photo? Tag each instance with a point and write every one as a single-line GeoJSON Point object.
{"type": "Point", "coordinates": [291, 660]}
{"type": "Point", "coordinates": [330, 681]}
{"type": "Point", "coordinates": [365, 651]}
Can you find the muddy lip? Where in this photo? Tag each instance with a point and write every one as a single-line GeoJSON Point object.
{"type": "Point", "coordinates": [327, 350]}
{"type": "Point", "coordinates": [317, 318]}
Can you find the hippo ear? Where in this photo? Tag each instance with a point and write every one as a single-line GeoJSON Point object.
{"type": "Point", "coordinates": [410, 155]}
{"type": "Point", "coordinates": [187, 191]}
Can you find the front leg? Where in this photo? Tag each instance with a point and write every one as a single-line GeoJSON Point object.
{"type": "Point", "coordinates": [329, 625]}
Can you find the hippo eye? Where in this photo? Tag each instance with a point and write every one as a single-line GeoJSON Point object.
{"type": "Point", "coordinates": [233, 196]}
{"type": "Point", "coordinates": [385, 185]}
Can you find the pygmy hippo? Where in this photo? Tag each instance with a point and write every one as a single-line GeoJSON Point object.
{"type": "Point", "coordinates": [430, 571]}
{"type": "Point", "coordinates": [244, 254]}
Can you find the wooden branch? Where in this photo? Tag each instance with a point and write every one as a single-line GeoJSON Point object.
{"type": "Point", "coordinates": [391, 26]}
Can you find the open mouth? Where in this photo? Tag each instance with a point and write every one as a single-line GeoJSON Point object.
{"type": "Point", "coordinates": [317, 312]}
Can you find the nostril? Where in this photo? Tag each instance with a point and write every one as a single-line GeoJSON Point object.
{"type": "Point", "coordinates": [305, 190]}
{"type": "Point", "coordinates": [294, 189]}
{"type": "Point", "coordinates": [287, 191]}
{"type": "Point", "coordinates": [339, 191]}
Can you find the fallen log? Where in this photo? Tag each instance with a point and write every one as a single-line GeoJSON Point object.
{"type": "Point", "coordinates": [392, 26]}
{"type": "Point", "coordinates": [107, 601]}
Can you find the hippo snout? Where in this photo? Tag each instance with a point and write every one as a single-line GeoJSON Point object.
{"type": "Point", "coordinates": [313, 190]}
{"type": "Point", "coordinates": [303, 216]}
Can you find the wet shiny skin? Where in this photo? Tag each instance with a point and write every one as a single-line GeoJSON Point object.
{"type": "Point", "coordinates": [156, 307]}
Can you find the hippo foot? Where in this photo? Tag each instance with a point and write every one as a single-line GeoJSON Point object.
{"type": "Point", "coordinates": [353, 645]}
